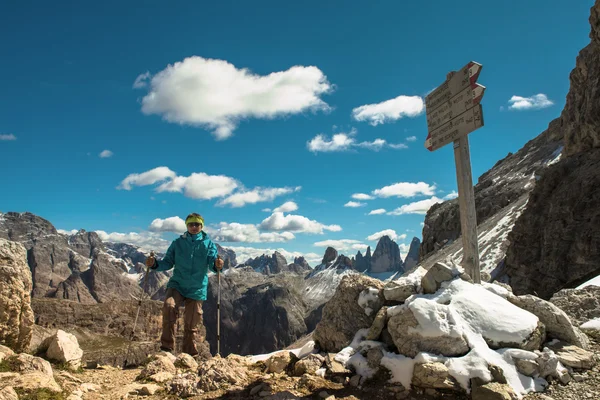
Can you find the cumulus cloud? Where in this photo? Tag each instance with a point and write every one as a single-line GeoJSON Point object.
{"type": "Point", "coordinates": [534, 102]}
{"type": "Point", "coordinates": [146, 240]}
{"type": "Point", "coordinates": [247, 233]}
{"type": "Point", "coordinates": [171, 224]}
{"type": "Point", "coordinates": [405, 189]}
{"type": "Point", "coordinates": [354, 204]}
{"type": "Point", "coordinates": [411, 139]}
{"type": "Point", "coordinates": [342, 244]}
{"type": "Point", "coordinates": [202, 186]}
{"type": "Point", "coordinates": [377, 211]}
{"type": "Point", "coordinates": [151, 177]}
{"type": "Point", "coordinates": [105, 154]}
{"type": "Point", "coordinates": [7, 137]}
{"type": "Point", "coordinates": [389, 110]}
{"type": "Point", "coordinates": [256, 195]}
{"type": "Point", "coordinates": [288, 206]}
{"type": "Point", "coordinates": [362, 196]}
{"type": "Point", "coordinates": [452, 195]}
{"type": "Point", "coordinates": [387, 232]}
{"type": "Point", "coordinates": [346, 142]}
{"type": "Point", "coordinates": [216, 95]}
{"type": "Point", "coordinates": [295, 223]}
{"type": "Point", "coordinates": [418, 207]}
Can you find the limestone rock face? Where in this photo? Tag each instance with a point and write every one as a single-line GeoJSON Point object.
{"type": "Point", "coordinates": [386, 257]}
{"type": "Point", "coordinates": [581, 305]}
{"type": "Point", "coordinates": [16, 315]}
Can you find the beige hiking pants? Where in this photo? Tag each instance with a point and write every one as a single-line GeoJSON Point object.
{"type": "Point", "coordinates": [192, 316]}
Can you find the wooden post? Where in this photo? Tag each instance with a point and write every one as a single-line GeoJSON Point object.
{"type": "Point", "coordinates": [468, 214]}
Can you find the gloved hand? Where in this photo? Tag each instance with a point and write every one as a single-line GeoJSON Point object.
{"type": "Point", "coordinates": [151, 262]}
{"type": "Point", "coordinates": [219, 263]}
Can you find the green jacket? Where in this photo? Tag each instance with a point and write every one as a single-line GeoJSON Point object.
{"type": "Point", "coordinates": [191, 259]}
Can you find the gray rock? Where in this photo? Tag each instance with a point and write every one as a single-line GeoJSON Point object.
{"type": "Point", "coordinates": [555, 320]}
{"type": "Point", "coordinates": [434, 376]}
{"type": "Point", "coordinates": [386, 257]}
{"type": "Point", "coordinates": [493, 391]}
{"type": "Point", "coordinates": [412, 257]}
{"type": "Point", "coordinates": [410, 342]}
{"type": "Point", "coordinates": [527, 367]}
{"type": "Point", "coordinates": [342, 316]}
{"type": "Point", "coordinates": [16, 318]}
{"type": "Point", "coordinates": [279, 362]}
{"type": "Point", "coordinates": [378, 324]}
{"type": "Point", "coordinates": [581, 305]}
{"type": "Point", "coordinates": [434, 277]}
{"type": "Point", "coordinates": [399, 292]}
{"type": "Point", "coordinates": [573, 356]}
{"type": "Point", "coordinates": [64, 348]}
{"type": "Point", "coordinates": [309, 365]}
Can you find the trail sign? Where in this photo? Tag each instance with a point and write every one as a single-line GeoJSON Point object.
{"type": "Point", "coordinates": [457, 127]}
{"type": "Point", "coordinates": [454, 111]}
{"type": "Point", "coordinates": [459, 81]}
{"type": "Point", "coordinates": [466, 99]}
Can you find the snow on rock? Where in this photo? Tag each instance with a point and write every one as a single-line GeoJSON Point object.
{"type": "Point", "coordinates": [402, 288]}
{"type": "Point", "coordinates": [369, 299]}
{"type": "Point", "coordinates": [591, 324]}
{"type": "Point", "coordinates": [594, 281]}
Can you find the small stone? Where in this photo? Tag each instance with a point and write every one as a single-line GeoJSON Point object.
{"type": "Point", "coordinates": [149, 389]}
{"type": "Point", "coordinates": [578, 377]}
{"type": "Point", "coordinates": [265, 393]}
{"type": "Point", "coordinates": [323, 394]}
{"type": "Point", "coordinates": [355, 381]}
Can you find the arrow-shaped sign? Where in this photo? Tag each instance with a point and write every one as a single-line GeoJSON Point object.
{"type": "Point", "coordinates": [461, 79]}
{"type": "Point", "coordinates": [461, 125]}
{"type": "Point", "coordinates": [457, 105]}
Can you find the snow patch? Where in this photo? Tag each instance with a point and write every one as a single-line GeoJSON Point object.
{"type": "Point", "coordinates": [366, 297]}
{"type": "Point", "coordinates": [591, 324]}
{"type": "Point", "coordinates": [401, 368]}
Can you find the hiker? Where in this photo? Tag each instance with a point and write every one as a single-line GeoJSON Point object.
{"type": "Point", "coordinates": [191, 255]}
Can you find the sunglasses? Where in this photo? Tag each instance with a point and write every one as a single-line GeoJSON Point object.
{"type": "Point", "coordinates": [195, 224]}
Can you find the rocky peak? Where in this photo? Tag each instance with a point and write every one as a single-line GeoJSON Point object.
{"type": "Point", "coordinates": [227, 255]}
{"type": "Point", "coordinates": [386, 257]}
{"type": "Point", "coordinates": [302, 262]}
{"type": "Point", "coordinates": [85, 243]}
{"type": "Point", "coordinates": [24, 227]}
{"type": "Point", "coordinates": [330, 255]}
{"type": "Point", "coordinates": [279, 263]}
{"type": "Point", "coordinates": [412, 257]}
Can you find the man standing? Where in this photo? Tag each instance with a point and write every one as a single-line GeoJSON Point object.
{"type": "Point", "coordinates": [191, 255]}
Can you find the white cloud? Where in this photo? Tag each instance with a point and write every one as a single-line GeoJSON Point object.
{"type": "Point", "coordinates": [7, 137]}
{"type": "Point", "coordinates": [362, 196]}
{"type": "Point", "coordinates": [248, 233]}
{"type": "Point", "coordinates": [388, 232]}
{"type": "Point", "coordinates": [158, 174]}
{"type": "Point", "coordinates": [171, 224]}
{"type": "Point", "coordinates": [377, 211]}
{"type": "Point", "coordinates": [452, 195]}
{"type": "Point", "coordinates": [216, 95]}
{"type": "Point", "coordinates": [266, 210]}
{"type": "Point", "coordinates": [105, 154]}
{"type": "Point", "coordinates": [146, 240]}
{"type": "Point", "coordinates": [338, 142]}
{"type": "Point", "coordinates": [200, 185]}
{"type": "Point", "coordinates": [411, 139]}
{"type": "Point", "coordinates": [256, 195]}
{"type": "Point", "coordinates": [346, 142]}
{"type": "Point", "coordinates": [404, 248]}
{"type": "Point", "coordinates": [405, 189]}
{"type": "Point", "coordinates": [389, 110]}
{"type": "Point", "coordinates": [418, 207]}
{"type": "Point", "coordinates": [534, 102]}
{"type": "Point", "coordinates": [142, 80]}
{"type": "Point", "coordinates": [295, 223]}
{"type": "Point", "coordinates": [288, 206]}
{"type": "Point", "coordinates": [354, 204]}
{"type": "Point", "coordinates": [342, 244]}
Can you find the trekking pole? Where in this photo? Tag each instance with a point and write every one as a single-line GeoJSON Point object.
{"type": "Point", "coordinates": [137, 314]}
{"type": "Point", "coordinates": [218, 310]}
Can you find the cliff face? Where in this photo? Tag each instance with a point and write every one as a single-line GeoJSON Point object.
{"type": "Point", "coordinates": [555, 243]}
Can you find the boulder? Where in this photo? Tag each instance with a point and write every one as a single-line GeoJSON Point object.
{"type": "Point", "coordinates": [186, 361]}
{"type": "Point", "coordinates": [410, 341]}
{"type": "Point", "coordinates": [378, 324]}
{"type": "Point", "coordinates": [30, 381]}
{"type": "Point", "coordinates": [573, 356]}
{"type": "Point", "coordinates": [64, 348]}
{"type": "Point", "coordinates": [16, 315]}
{"type": "Point", "coordinates": [309, 364]}
{"type": "Point", "coordinates": [527, 367]}
{"type": "Point", "coordinates": [557, 323]}
{"type": "Point", "coordinates": [440, 273]}
{"type": "Point", "coordinates": [493, 391]}
{"type": "Point", "coordinates": [343, 316]}
{"type": "Point", "coordinates": [279, 362]}
{"type": "Point", "coordinates": [217, 372]}
{"type": "Point", "coordinates": [434, 376]}
{"type": "Point", "coordinates": [184, 385]}
{"type": "Point", "coordinates": [158, 364]}
{"type": "Point", "coordinates": [24, 363]}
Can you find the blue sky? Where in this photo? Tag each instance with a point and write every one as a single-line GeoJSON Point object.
{"type": "Point", "coordinates": [120, 116]}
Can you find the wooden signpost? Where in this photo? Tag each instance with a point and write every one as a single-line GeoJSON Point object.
{"type": "Point", "coordinates": [454, 111]}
